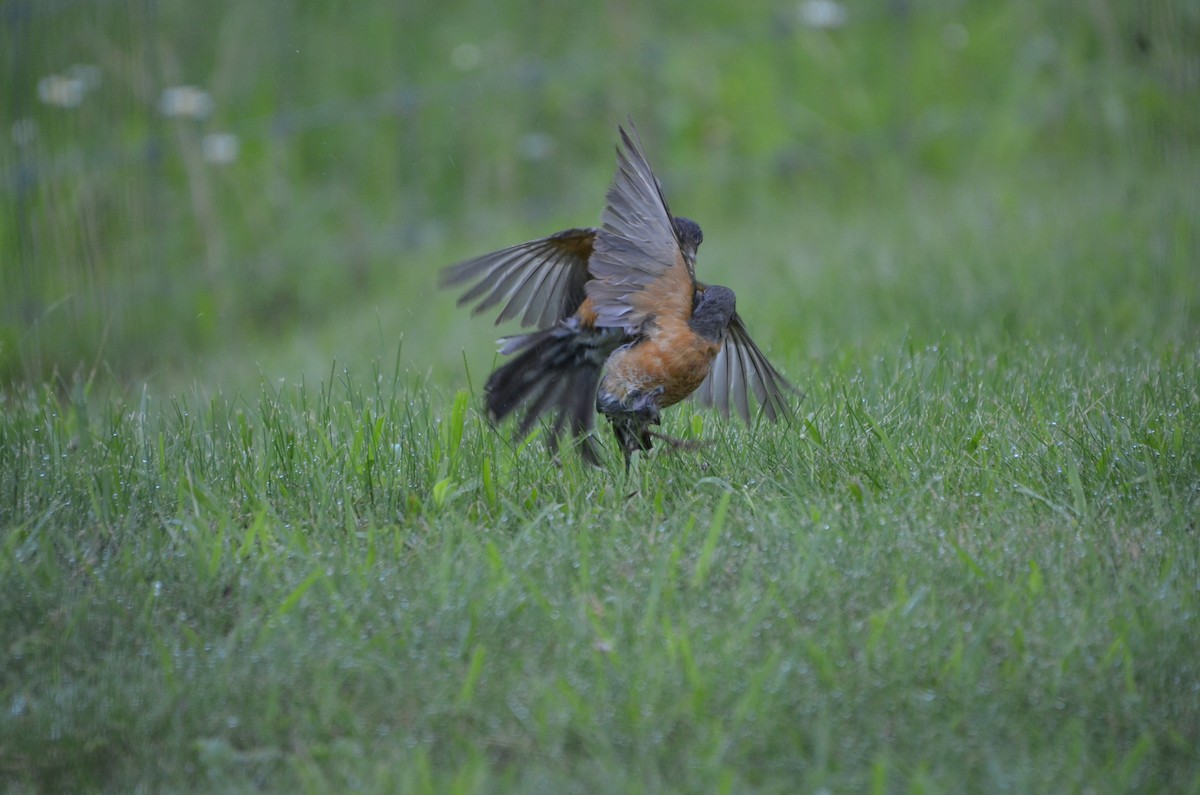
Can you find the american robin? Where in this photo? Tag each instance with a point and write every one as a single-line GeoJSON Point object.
{"type": "Point", "coordinates": [624, 327]}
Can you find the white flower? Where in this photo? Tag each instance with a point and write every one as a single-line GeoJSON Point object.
{"type": "Point", "coordinates": [186, 102]}
{"type": "Point", "coordinates": [61, 91]}
{"type": "Point", "coordinates": [822, 13]}
{"type": "Point", "coordinates": [221, 147]}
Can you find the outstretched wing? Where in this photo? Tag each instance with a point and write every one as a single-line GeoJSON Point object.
{"type": "Point", "coordinates": [541, 280]}
{"type": "Point", "coordinates": [741, 368]}
{"type": "Point", "coordinates": [638, 267]}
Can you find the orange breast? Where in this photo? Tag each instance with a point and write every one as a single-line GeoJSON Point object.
{"type": "Point", "coordinates": [675, 358]}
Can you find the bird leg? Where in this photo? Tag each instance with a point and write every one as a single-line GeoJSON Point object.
{"type": "Point", "coordinates": [631, 420]}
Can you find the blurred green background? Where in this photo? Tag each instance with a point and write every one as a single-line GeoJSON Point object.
{"type": "Point", "coordinates": [864, 171]}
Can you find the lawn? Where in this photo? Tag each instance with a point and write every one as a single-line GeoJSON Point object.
{"type": "Point", "coordinates": [256, 535]}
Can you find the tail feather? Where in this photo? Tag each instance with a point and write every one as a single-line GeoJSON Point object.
{"type": "Point", "coordinates": [556, 370]}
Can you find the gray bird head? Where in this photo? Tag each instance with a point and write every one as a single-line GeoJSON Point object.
{"type": "Point", "coordinates": [713, 310]}
{"type": "Point", "coordinates": [690, 237]}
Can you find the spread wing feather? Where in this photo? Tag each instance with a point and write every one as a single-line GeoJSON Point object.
{"type": "Point", "coordinates": [638, 267]}
{"type": "Point", "coordinates": [541, 280]}
{"type": "Point", "coordinates": [741, 368]}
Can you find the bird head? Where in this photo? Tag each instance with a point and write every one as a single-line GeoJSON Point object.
{"type": "Point", "coordinates": [712, 312]}
{"type": "Point", "coordinates": [690, 237]}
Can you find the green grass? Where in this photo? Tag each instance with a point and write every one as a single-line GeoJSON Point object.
{"type": "Point", "coordinates": [255, 534]}
{"type": "Point", "coordinates": [969, 564]}
{"type": "Point", "coordinates": [956, 571]}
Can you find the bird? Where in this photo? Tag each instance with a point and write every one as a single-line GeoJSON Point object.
{"type": "Point", "coordinates": [622, 326]}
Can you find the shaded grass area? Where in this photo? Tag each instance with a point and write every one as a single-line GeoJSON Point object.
{"type": "Point", "coordinates": [955, 571]}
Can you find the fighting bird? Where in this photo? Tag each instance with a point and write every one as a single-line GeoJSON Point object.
{"type": "Point", "coordinates": [623, 326]}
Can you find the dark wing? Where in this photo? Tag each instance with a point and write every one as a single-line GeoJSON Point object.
{"type": "Point", "coordinates": [638, 267]}
{"type": "Point", "coordinates": [741, 368]}
{"type": "Point", "coordinates": [543, 278]}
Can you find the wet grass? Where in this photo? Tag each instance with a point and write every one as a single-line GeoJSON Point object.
{"type": "Point", "coordinates": [256, 536]}
{"type": "Point", "coordinates": [969, 564]}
